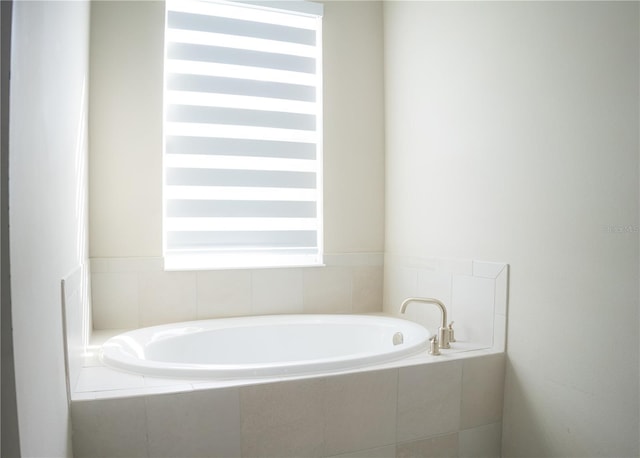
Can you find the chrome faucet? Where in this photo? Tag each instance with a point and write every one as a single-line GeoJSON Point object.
{"type": "Point", "coordinates": [444, 331]}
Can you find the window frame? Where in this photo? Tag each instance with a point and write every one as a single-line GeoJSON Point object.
{"type": "Point", "coordinates": [256, 257]}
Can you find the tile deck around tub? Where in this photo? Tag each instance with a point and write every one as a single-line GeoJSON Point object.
{"type": "Point", "coordinates": [449, 407]}
{"type": "Point", "coordinates": [476, 293]}
{"type": "Point", "coordinates": [97, 381]}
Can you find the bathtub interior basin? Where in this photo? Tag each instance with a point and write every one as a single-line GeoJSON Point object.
{"type": "Point", "coordinates": [272, 345]}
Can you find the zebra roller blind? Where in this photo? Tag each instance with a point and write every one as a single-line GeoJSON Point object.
{"type": "Point", "coordinates": [242, 134]}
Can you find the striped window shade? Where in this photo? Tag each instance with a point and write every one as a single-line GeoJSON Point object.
{"type": "Point", "coordinates": [242, 134]}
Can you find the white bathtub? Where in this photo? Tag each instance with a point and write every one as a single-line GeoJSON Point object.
{"type": "Point", "coordinates": [264, 346]}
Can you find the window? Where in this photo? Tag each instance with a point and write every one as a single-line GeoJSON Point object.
{"type": "Point", "coordinates": [242, 134]}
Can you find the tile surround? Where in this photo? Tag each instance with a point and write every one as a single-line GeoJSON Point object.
{"type": "Point", "coordinates": [137, 292]}
{"type": "Point", "coordinates": [362, 411]}
{"type": "Point", "coordinates": [100, 378]}
{"type": "Point", "coordinates": [165, 297]}
{"type": "Point", "coordinates": [483, 386]}
{"type": "Point", "coordinates": [388, 451]}
{"type": "Point", "coordinates": [115, 300]}
{"type": "Point", "coordinates": [444, 446]}
{"type": "Point", "coordinates": [481, 442]}
{"type": "Point", "coordinates": [447, 406]}
{"type": "Point", "coordinates": [223, 293]}
{"type": "Point", "coordinates": [403, 412]}
{"type": "Point", "coordinates": [474, 292]}
{"type": "Point", "coordinates": [110, 428]}
{"type": "Point", "coordinates": [283, 419]}
{"type": "Point", "coordinates": [367, 289]}
{"type": "Point", "coordinates": [328, 290]}
{"type": "Point", "coordinates": [472, 303]}
{"type": "Point", "coordinates": [75, 308]}
{"type": "Point", "coordinates": [429, 400]}
{"type": "Point", "coordinates": [276, 291]}
{"type": "Point", "coordinates": [201, 423]}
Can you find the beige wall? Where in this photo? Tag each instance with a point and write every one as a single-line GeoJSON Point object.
{"type": "Point", "coordinates": [47, 155]}
{"type": "Point", "coordinates": [125, 129]}
{"type": "Point", "coordinates": [512, 135]}
{"type": "Point", "coordinates": [126, 123]}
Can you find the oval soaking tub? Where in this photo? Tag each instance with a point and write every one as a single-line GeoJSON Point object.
{"type": "Point", "coordinates": [262, 346]}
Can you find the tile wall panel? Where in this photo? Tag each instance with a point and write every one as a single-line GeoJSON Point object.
{"type": "Point", "coordinates": [114, 428]}
{"type": "Point", "coordinates": [482, 389]}
{"type": "Point", "coordinates": [194, 424]}
{"type": "Point", "coordinates": [475, 294]}
{"type": "Point", "coordinates": [360, 411]}
{"type": "Point", "coordinates": [136, 292]}
{"type": "Point", "coordinates": [443, 408]}
{"type": "Point", "coordinates": [283, 419]}
{"type": "Point", "coordinates": [447, 408]}
{"type": "Point", "coordinates": [429, 399]}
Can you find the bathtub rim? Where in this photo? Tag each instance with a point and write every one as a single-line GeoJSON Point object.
{"type": "Point", "coordinates": [265, 370]}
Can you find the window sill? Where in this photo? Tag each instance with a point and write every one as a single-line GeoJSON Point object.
{"type": "Point", "coordinates": [228, 261]}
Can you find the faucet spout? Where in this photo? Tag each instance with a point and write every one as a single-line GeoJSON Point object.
{"type": "Point", "coordinates": [444, 331]}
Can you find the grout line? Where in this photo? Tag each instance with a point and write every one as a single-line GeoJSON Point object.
{"type": "Point", "coordinates": [146, 424]}
{"type": "Point", "coordinates": [138, 304]}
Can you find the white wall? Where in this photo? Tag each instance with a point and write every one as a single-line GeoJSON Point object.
{"type": "Point", "coordinates": [512, 135]}
{"type": "Point", "coordinates": [126, 128]}
{"type": "Point", "coordinates": [47, 206]}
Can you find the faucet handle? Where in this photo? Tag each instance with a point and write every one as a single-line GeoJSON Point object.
{"type": "Point", "coordinates": [451, 336]}
{"type": "Point", "coordinates": [434, 347]}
